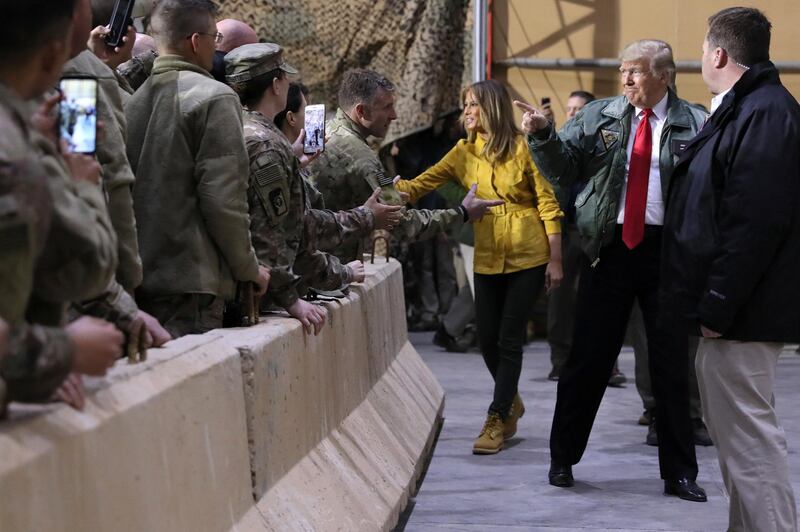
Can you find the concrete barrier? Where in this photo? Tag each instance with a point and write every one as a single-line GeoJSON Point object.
{"type": "Point", "coordinates": [264, 428]}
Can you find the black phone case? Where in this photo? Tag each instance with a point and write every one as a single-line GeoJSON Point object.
{"type": "Point", "coordinates": [120, 20]}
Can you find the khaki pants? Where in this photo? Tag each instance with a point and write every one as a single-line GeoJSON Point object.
{"type": "Point", "coordinates": [736, 382]}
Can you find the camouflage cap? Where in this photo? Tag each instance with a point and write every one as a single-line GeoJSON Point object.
{"type": "Point", "coordinates": [251, 60]}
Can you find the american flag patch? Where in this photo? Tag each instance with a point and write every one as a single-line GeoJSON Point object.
{"type": "Point", "coordinates": [268, 174]}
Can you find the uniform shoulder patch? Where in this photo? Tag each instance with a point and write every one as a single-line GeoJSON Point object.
{"type": "Point", "coordinates": [269, 174]}
{"type": "Point", "coordinates": [609, 137]}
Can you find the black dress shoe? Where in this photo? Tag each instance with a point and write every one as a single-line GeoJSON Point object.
{"type": "Point", "coordinates": [652, 434]}
{"type": "Point", "coordinates": [686, 489]}
{"type": "Point", "coordinates": [560, 476]}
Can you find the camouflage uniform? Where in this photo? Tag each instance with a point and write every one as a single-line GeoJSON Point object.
{"type": "Point", "coordinates": [38, 358]}
{"type": "Point", "coordinates": [278, 216]}
{"type": "Point", "coordinates": [349, 170]}
{"type": "Point", "coordinates": [286, 232]}
{"type": "Point", "coordinates": [118, 179]}
{"type": "Point", "coordinates": [333, 229]}
{"type": "Point", "coordinates": [185, 145]}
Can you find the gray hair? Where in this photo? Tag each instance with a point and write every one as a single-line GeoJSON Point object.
{"type": "Point", "coordinates": [658, 52]}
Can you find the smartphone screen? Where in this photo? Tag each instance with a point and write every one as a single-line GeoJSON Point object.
{"type": "Point", "coordinates": [315, 129]}
{"type": "Point", "coordinates": [78, 114]}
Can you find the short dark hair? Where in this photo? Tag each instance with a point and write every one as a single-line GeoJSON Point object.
{"type": "Point", "coordinates": [361, 85]}
{"type": "Point", "coordinates": [588, 96]}
{"type": "Point", "coordinates": [28, 24]}
{"type": "Point", "coordinates": [251, 91]}
{"type": "Point", "coordinates": [294, 99]}
{"type": "Point", "coordinates": [173, 20]}
{"type": "Point", "coordinates": [743, 32]}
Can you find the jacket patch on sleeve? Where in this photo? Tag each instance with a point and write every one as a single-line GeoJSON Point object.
{"type": "Point", "coordinates": [609, 137]}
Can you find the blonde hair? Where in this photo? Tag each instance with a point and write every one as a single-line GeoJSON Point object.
{"type": "Point", "coordinates": [496, 119]}
{"type": "Point", "coordinates": [658, 53]}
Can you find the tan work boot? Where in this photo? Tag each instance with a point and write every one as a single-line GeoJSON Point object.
{"type": "Point", "coordinates": [516, 411]}
{"type": "Point", "coordinates": [490, 440]}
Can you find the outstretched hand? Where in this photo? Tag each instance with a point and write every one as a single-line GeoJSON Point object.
{"type": "Point", "coordinates": [475, 206]}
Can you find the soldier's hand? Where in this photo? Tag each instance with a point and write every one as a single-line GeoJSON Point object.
{"type": "Point", "coordinates": [262, 283]}
{"type": "Point", "coordinates": [358, 271]}
{"type": "Point", "coordinates": [386, 216]}
{"type": "Point", "coordinates": [45, 118]}
{"type": "Point", "coordinates": [82, 167]}
{"type": "Point", "coordinates": [71, 392]}
{"type": "Point", "coordinates": [98, 344]}
{"type": "Point", "coordinates": [532, 119]}
{"type": "Point", "coordinates": [475, 206]}
{"type": "Point", "coordinates": [311, 316]}
{"type": "Point", "coordinates": [113, 57]}
{"type": "Point", "coordinates": [157, 332]}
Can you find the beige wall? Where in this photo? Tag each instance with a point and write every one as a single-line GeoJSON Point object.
{"type": "Point", "coordinates": [599, 29]}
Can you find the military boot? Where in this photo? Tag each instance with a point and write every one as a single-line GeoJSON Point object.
{"type": "Point", "coordinates": [516, 411]}
{"type": "Point", "coordinates": [490, 440]}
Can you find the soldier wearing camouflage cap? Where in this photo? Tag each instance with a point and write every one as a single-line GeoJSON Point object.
{"type": "Point", "coordinates": [277, 197]}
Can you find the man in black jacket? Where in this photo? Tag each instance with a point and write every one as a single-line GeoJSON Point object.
{"type": "Point", "coordinates": [731, 261]}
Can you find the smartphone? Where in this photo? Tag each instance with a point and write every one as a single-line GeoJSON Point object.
{"type": "Point", "coordinates": [315, 129]}
{"type": "Point", "coordinates": [120, 20]}
{"type": "Point", "coordinates": [77, 112]}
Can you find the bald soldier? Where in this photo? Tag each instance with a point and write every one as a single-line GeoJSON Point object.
{"type": "Point", "coordinates": [235, 33]}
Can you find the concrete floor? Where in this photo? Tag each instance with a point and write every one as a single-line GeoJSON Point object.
{"type": "Point", "coordinates": [617, 482]}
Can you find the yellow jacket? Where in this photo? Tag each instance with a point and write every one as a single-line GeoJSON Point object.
{"type": "Point", "coordinates": [512, 236]}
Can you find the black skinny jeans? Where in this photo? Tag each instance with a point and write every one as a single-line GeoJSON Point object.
{"type": "Point", "coordinates": [502, 304]}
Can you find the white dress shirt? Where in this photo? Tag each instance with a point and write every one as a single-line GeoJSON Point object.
{"type": "Point", "coordinates": [716, 101]}
{"type": "Point", "coordinates": [654, 215]}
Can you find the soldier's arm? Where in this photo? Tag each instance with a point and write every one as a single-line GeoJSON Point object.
{"type": "Point", "coordinates": [221, 177]}
{"type": "Point", "coordinates": [37, 361]}
{"type": "Point", "coordinates": [80, 255]}
{"type": "Point", "coordinates": [118, 181]}
{"type": "Point", "coordinates": [422, 224]}
{"type": "Point", "coordinates": [276, 209]}
{"type": "Point", "coordinates": [317, 268]}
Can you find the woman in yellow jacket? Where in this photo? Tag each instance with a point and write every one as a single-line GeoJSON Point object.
{"type": "Point", "coordinates": [517, 244]}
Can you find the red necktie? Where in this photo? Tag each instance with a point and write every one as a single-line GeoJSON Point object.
{"type": "Point", "coordinates": [638, 177]}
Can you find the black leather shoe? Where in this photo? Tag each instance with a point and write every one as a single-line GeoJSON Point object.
{"type": "Point", "coordinates": [686, 489]}
{"type": "Point", "coordinates": [560, 475]}
{"type": "Point", "coordinates": [443, 339]}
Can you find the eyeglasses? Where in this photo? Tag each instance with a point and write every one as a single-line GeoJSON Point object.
{"type": "Point", "coordinates": [217, 36]}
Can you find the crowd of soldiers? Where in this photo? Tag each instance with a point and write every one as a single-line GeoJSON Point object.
{"type": "Point", "coordinates": [207, 123]}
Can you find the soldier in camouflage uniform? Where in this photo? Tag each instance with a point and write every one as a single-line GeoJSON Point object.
{"type": "Point", "coordinates": [276, 194]}
{"type": "Point", "coordinates": [349, 169]}
{"type": "Point", "coordinates": [331, 229]}
{"type": "Point", "coordinates": [35, 359]}
{"type": "Point", "coordinates": [186, 148]}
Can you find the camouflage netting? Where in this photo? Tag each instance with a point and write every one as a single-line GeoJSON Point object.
{"type": "Point", "coordinates": [421, 45]}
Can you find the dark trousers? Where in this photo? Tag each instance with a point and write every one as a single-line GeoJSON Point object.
{"type": "Point", "coordinates": [605, 297]}
{"type": "Point", "coordinates": [502, 305]}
